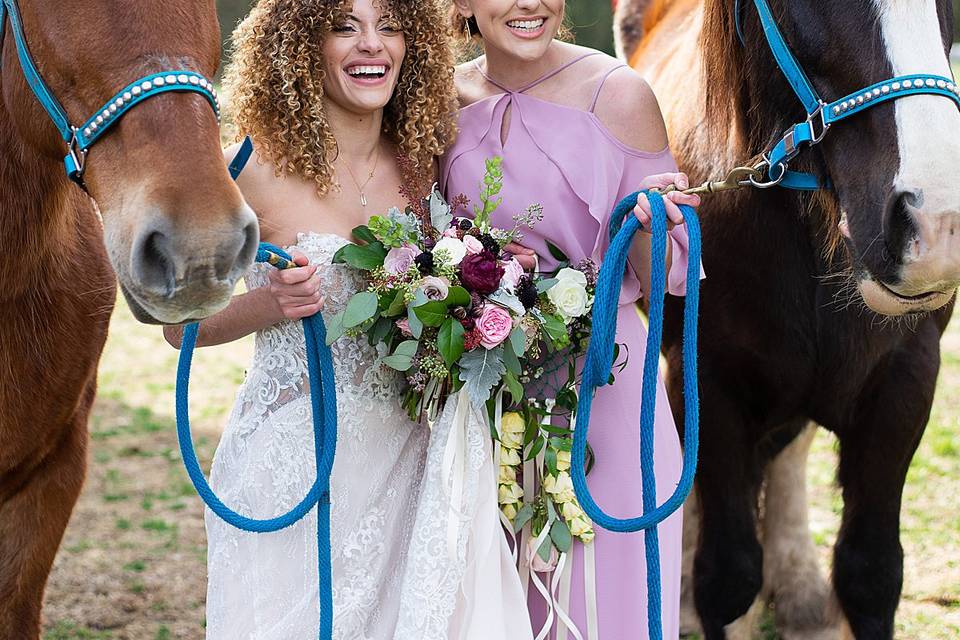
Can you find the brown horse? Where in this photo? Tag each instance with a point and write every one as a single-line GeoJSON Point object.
{"type": "Point", "coordinates": [176, 231]}
{"type": "Point", "coordinates": [824, 307]}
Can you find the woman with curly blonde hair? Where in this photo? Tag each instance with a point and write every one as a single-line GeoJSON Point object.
{"type": "Point", "coordinates": [347, 105]}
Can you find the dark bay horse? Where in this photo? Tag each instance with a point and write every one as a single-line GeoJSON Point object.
{"type": "Point", "coordinates": [175, 230]}
{"type": "Point", "coordinates": [825, 307]}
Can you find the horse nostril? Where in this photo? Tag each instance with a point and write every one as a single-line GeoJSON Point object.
{"type": "Point", "coordinates": [901, 224]}
{"type": "Point", "coordinates": [236, 259]}
{"type": "Point", "coordinates": [152, 263]}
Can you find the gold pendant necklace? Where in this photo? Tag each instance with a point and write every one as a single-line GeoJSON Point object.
{"type": "Point", "coordinates": [361, 187]}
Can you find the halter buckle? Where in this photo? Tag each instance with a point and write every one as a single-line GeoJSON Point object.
{"type": "Point", "coordinates": [824, 125]}
{"type": "Point", "coordinates": [76, 159]}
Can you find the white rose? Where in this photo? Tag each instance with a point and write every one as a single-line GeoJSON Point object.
{"type": "Point", "coordinates": [569, 295]}
{"type": "Point", "coordinates": [454, 250]}
{"type": "Point", "coordinates": [563, 460]}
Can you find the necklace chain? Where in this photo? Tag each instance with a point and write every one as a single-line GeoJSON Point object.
{"type": "Point", "coordinates": [362, 187]}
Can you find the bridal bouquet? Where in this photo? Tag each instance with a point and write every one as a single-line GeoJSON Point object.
{"type": "Point", "coordinates": [455, 313]}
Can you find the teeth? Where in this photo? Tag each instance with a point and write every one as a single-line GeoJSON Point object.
{"type": "Point", "coordinates": [525, 24]}
{"type": "Point", "coordinates": [367, 70]}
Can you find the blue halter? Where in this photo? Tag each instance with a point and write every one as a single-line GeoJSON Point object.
{"type": "Point", "coordinates": [79, 139]}
{"type": "Point", "coordinates": [822, 115]}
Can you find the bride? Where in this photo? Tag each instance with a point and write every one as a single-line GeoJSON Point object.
{"type": "Point", "coordinates": [347, 108]}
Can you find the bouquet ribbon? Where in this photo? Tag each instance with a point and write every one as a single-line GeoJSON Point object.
{"type": "Point", "coordinates": [599, 363]}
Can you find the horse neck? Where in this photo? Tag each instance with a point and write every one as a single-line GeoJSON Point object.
{"type": "Point", "coordinates": [39, 210]}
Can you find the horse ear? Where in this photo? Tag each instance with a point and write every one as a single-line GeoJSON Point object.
{"type": "Point", "coordinates": [628, 25]}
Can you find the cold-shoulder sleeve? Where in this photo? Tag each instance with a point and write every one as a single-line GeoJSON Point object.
{"type": "Point", "coordinates": [637, 167]}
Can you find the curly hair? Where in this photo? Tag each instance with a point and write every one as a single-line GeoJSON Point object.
{"type": "Point", "coordinates": [275, 86]}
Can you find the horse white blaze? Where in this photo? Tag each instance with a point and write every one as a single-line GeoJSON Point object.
{"type": "Point", "coordinates": [928, 136]}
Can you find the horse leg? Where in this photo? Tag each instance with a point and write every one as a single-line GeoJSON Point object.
{"type": "Point", "coordinates": [875, 452]}
{"type": "Point", "coordinates": [791, 576]}
{"type": "Point", "coordinates": [689, 620]}
{"type": "Point", "coordinates": [32, 522]}
{"type": "Point", "coordinates": [728, 567]}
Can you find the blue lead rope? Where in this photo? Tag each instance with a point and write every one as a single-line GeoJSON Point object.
{"type": "Point", "coordinates": [324, 403]}
{"type": "Point", "coordinates": [598, 366]}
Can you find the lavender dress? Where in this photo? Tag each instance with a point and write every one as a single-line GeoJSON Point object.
{"type": "Point", "coordinates": [565, 159]}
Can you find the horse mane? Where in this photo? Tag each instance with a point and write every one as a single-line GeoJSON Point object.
{"type": "Point", "coordinates": [724, 61]}
{"type": "Point", "coordinates": [727, 67]}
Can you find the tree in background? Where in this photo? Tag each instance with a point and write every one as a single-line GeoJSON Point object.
{"type": "Point", "coordinates": [591, 21]}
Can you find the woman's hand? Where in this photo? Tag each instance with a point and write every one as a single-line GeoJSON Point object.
{"type": "Point", "coordinates": [671, 200]}
{"type": "Point", "coordinates": [526, 257]}
{"type": "Point", "coordinates": [296, 291]}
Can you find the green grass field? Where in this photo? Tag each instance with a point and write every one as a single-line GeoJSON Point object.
{"type": "Point", "coordinates": [132, 565]}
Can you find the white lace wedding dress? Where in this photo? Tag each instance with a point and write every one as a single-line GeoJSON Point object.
{"type": "Point", "coordinates": [393, 576]}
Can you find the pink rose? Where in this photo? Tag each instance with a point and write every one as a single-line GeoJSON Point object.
{"type": "Point", "coordinates": [473, 245]}
{"type": "Point", "coordinates": [494, 325]}
{"type": "Point", "coordinates": [404, 325]}
{"type": "Point", "coordinates": [450, 233]}
{"type": "Point", "coordinates": [512, 272]}
{"type": "Point", "coordinates": [399, 259]}
{"type": "Point", "coordinates": [536, 562]}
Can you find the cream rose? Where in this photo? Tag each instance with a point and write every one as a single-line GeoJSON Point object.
{"type": "Point", "coordinates": [569, 294]}
{"type": "Point", "coordinates": [563, 460]}
{"type": "Point", "coordinates": [510, 493]}
{"type": "Point", "coordinates": [509, 456]}
{"type": "Point", "coordinates": [581, 526]}
{"type": "Point", "coordinates": [561, 487]}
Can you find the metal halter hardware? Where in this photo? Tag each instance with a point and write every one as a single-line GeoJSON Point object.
{"type": "Point", "coordinates": [79, 139]}
{"type": "Point", "coordinates": [822, 115]}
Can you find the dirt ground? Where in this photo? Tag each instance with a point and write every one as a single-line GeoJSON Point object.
{"type": "Point", "coordinates": [132, 565]}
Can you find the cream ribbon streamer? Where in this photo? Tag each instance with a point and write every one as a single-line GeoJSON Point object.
{"type": "Point", "coordinates": [454, 470]}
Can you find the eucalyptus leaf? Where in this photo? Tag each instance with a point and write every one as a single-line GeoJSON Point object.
{"type": "Point", "coordinates": [545, 550]}
{"type": "Point", "coordinates": [361, 308]}
{"type": "Point", "coordinates": [546, 284]}
{"type": "Point", "coordinates": [524, 516]}
{"type": "Point", "coordinates": [481, 370]}
{"type": "Point", "coordinates": [450, 341]}
{"type": "Point", "coordinates": [416, 327]}
{"type": "Point", "coordinates": [380, 331]}
{"type": "Point", "coordinates": [560, 534]}
{"type": "Point", "coordinates": [518, 342]}
{"type": "Point", "coordinates": [402, 357]}
{"type": "Point", "coordinates": [335, 328]}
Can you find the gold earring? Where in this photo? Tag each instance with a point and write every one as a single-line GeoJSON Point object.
{"type": "Point", "coordinates": [466, 29]}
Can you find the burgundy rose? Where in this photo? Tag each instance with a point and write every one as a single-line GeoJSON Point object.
{"type": "Point", "coordinates": [481, 272]}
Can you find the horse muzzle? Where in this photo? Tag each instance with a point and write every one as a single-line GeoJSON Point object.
{"type": "Point", "coordinates": [171, 275]}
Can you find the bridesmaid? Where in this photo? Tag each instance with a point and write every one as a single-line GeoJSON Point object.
{"type": "Point", "coordinates": [578, 130]}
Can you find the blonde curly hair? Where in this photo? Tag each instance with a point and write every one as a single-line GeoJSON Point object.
{"type": "Point", "coordinates": [275, 86]}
